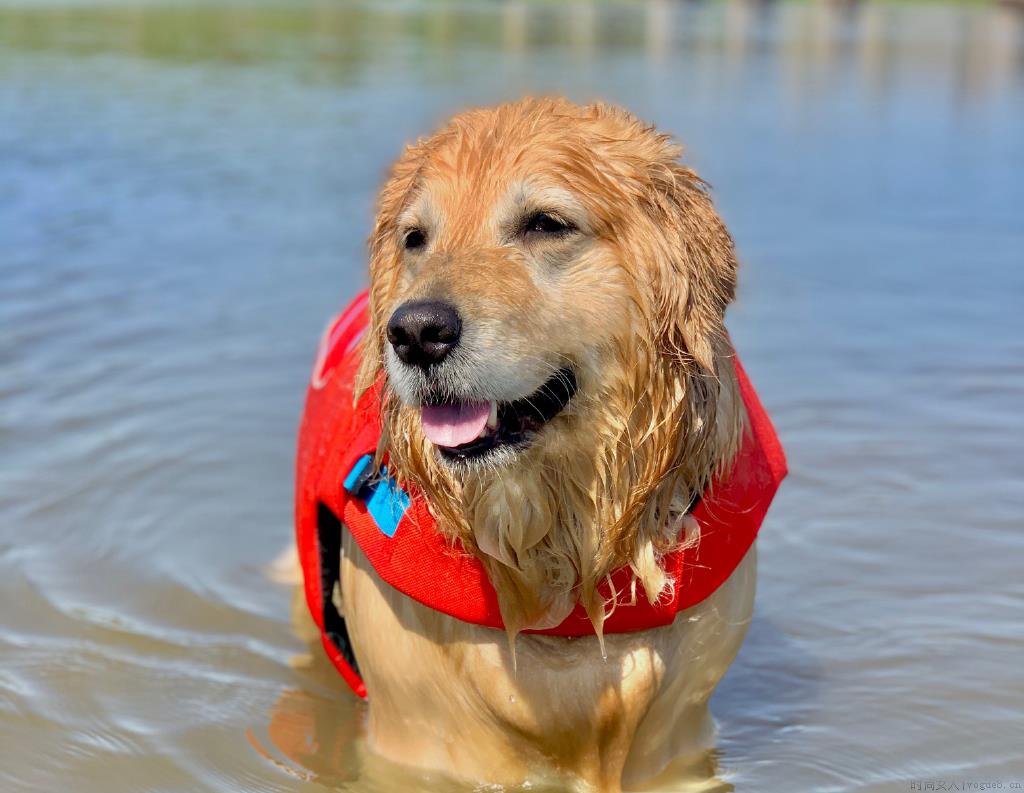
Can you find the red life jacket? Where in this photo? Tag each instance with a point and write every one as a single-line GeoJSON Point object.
{"type": "Point", "coordinates": [336, 485]}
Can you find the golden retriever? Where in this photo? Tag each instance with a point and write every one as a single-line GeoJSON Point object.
{"type": "Point", "coordinates": [548, 287]}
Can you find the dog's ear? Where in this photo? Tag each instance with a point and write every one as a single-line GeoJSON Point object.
{"type": "Point", "coordinates": [696, 275]}
{"type": "Point", "coordinates": [694, 281]}
{"type": "Point", "coordinates": [386, 259]}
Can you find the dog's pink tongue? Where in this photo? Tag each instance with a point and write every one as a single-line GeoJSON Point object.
{"type": "Point", "coordinates": [454, 425]}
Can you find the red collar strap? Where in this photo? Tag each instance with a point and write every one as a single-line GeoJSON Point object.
{"type": "Point", "coordinates": [336, 485]}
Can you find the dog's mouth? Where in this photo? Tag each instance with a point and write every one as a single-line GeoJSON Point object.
{"type": "Point", "coordinates": [473, 430]}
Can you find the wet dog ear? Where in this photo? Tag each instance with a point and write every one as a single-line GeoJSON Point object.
{"type": "Point", "coordinates": [386, 259]}
{"type": "Point", "coordinates": [696, 275]}
{"type": "Point", "coordinates": [693, 280]}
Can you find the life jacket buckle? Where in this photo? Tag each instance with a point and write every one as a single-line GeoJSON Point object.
{"type": "Point", "coordinates": [384, 499]}
{"type": "Point", "coordinates": [359, 478]}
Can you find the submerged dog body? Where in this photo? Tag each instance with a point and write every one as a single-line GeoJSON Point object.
{"type": "Point", "coordinates": [547, 299]}
{"type": "Point", "coordinates": [448, 696]}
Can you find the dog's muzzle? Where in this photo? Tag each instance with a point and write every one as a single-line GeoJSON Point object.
{"type": "Point", "coordinates": [468, 430]}
{"type": "Point", "coordinates": [423, 335]}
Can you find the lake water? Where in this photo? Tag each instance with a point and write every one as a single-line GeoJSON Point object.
{"type": "Point", "coordinates": [184, 194]}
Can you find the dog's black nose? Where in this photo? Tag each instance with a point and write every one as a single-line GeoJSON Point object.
{"type": "Point", "coordinates": [424, 331]}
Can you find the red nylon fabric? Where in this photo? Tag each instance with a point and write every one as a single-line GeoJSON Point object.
{"type": "Point", "coordinates": [419, 562]}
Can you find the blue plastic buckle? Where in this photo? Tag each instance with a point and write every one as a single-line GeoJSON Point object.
{"type": "Point", "coordinates": [385, 500]}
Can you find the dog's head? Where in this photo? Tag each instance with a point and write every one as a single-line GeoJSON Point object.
{"type": "Point", "coordinates": [548, 288]}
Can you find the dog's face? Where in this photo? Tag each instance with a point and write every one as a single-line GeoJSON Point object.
{"type": "Point", "coordinates": [548, 287]}
{"type": "Point", "coordinates": [509, 303]}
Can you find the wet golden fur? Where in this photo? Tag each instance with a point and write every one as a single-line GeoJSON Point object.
{"type": "Point", "coordinates": [635, 302]}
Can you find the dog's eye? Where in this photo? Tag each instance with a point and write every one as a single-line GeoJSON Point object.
{"type": "Point", "coordinates": [543, 223]}
{"type": "Point", "coordinates": [414, 238]}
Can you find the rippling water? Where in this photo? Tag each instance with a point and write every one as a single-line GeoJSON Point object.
{"type": "Point", "coordinates": [184, 194]}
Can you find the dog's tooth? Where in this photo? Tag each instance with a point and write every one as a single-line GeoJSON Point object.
{"type": "Point", "coordinates": [492, 420]}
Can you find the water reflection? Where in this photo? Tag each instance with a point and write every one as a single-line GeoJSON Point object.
{"type": "Point", "coordinates": [316, 736]}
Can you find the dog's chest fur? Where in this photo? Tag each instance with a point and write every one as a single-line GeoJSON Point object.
{"type": "Point", "coordinates": [445, 694]}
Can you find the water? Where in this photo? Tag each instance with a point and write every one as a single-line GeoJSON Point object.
{"type": "Point", "coordinates": [184, 194]}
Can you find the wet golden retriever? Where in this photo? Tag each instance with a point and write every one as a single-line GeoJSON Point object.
{"type": "Point", "coordinates": [550, 255]}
